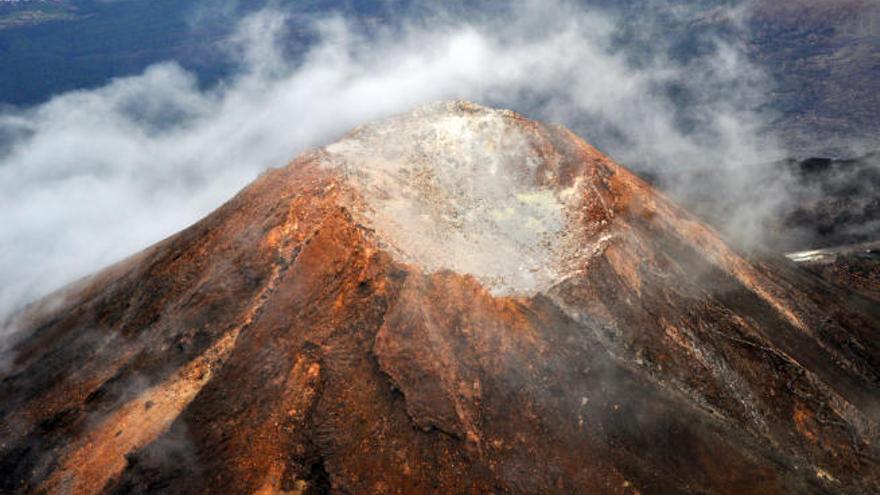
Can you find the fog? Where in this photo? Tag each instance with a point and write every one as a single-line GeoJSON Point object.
{"type": "Point", "coordinates": [93, 176]}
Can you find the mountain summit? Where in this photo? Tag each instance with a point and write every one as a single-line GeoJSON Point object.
{"type": "Point", "coordinates": [453, 300]}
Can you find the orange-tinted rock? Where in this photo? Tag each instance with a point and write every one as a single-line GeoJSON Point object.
{"type": "Point", "coordinates": [300, 340]}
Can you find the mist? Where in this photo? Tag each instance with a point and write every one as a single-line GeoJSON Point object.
{"type": "Point", "coordinates": [93, 176]}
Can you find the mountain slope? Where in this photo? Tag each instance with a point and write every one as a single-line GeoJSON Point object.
{"type": "Point", "coordinates": [855, 267]}
{"type": "Point", "coordinates": [454, 300]}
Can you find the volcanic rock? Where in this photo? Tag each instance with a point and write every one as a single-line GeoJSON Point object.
{"type": "Point", "coordinates": [855, 267]}
{"type": "Point", "coordinates": [454, 300]}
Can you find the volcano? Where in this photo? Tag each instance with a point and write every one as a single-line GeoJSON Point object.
{"type": "Point", "coordinates": [453, 300]}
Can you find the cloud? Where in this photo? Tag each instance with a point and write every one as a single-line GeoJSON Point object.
{"type": "Point", "coordinates": [93, 176]}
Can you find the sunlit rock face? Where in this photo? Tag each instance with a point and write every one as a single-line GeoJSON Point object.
{"type": "Point", "coordinates": [454, 300]}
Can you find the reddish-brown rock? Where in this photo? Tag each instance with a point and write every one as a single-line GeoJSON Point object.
{"type": "Point", "coordinates": [457, 300]}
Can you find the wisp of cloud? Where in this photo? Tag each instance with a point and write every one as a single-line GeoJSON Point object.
{"type": "Point", "coordinates": [93, 176]}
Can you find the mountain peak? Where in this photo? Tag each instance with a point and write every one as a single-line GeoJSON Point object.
{"type": "Point", "coordinates": [453, 300]}
{"type": "Point", "coordinates": [462, 187]}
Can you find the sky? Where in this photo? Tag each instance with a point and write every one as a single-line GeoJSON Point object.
{"type": "Point", "coordinates": [93, 176]}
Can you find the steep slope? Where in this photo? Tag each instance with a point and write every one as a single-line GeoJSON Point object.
{"type": "Point", "coordinates": [455, 300]}
{"type": "Point", "coordinates": [855, 267]}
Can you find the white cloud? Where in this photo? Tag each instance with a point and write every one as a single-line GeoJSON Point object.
{"type": "Point", "coordinates": [94, 176]}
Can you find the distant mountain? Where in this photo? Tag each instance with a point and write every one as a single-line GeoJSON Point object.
{"type": "Point", "coordinates": [453, 300]}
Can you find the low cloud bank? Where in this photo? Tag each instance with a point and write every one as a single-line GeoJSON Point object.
{"type": "Point", "coordinates": [93, 176]}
